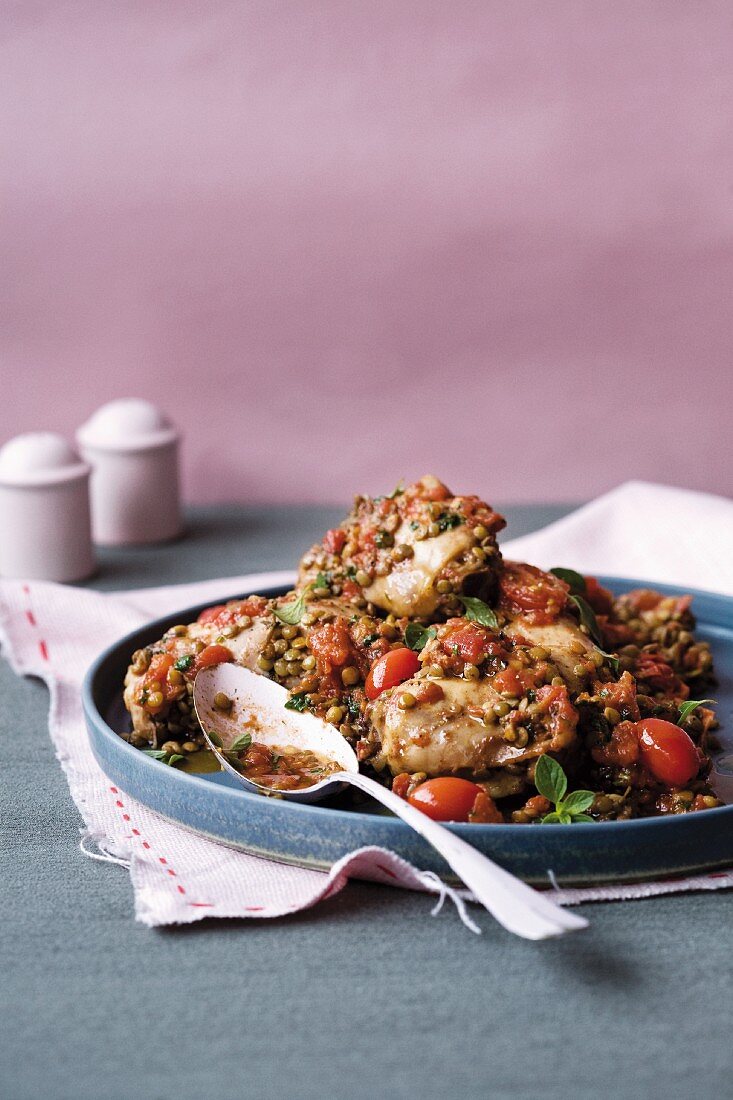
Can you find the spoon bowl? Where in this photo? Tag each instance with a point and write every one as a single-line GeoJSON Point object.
{"type": "Point", "coordinates": [258, 708]}
{"type": "Point", "coordinates": [231, 701]}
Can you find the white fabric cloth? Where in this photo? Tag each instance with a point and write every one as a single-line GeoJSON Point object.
{"type": "Point", "coordinates": [644, 531]}
{"type": "Point", "coordinates": [55, 631]}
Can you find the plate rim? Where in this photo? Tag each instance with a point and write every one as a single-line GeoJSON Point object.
{"type": "Point", "coordinates": [94, 716]}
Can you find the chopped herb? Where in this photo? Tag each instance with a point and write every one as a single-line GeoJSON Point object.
{"type": "Point", "coordinates": [414, 525]}
{"type": "Point", "coordinates": [323, 580]}
{"type": "Point", "coordinates": [184, 663]}
{"type": "Point", "coordinates": [531, 695]}
{"type": "Point", "coordinates": [397, 491]}
{"type": "Point", "coordinates": [297, 701]}
{"type": "Point", "coordinates": [479, 612]}
{"type": "Point", "coordinates": [352, 704]}
{"type": "Point", "coordinates": [351, 571]}
{"type": "Point", "coordinates": [215, 738]}
{"type": "Point", "coordinates": [370, 638]}
{"type": "Point", "coordinates": [417, 637]}
{"type": "Point", "coordinates": [383, 539]}
{"type": "Point", "coordinates": [612, 660]}
{"type": "Point", "coordinates": [446, 520]}
{"type": "Point", "coordinates": [691, 705]}
{"type": "Point", "coordinates": [551, 781]}
{"type": "Point", "coordinates": [241, 744]}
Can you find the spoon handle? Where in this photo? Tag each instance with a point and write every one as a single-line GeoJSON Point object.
{"type": "Point", "coordinates": [516, 906]}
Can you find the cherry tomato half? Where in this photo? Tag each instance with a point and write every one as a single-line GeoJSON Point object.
{"type": "Point", "coordinates": [667, 751]}
{"type": "Point", "coordinates": [445, 799]}
{"type": "Point", "coordinates": [389, 670]}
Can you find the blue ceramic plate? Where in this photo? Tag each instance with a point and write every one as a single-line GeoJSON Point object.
{"type": "Point", "coordinates": [214, 805]}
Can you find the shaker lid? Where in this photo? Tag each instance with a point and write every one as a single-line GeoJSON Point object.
{"type": "Point", "coordinates": [128, 424]}
{"type": "Point", "coordinates": [39, 458]}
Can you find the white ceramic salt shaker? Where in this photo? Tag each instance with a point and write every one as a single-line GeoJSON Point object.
{"type": "Point", "coordinates": [45, 530]}
{"type": "Point", "coordinates": [133, 451]}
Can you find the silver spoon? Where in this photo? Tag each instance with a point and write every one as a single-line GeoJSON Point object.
{"type": "Point", "coordinates": [258, 708]}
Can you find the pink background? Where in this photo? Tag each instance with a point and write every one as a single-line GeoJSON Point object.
{"type": "Point", "coordinates": [347, 242]}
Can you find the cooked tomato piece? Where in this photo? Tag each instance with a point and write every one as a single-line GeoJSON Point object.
{"type": "Point", "coordinates": [211, 613]}
{"type": "Point", "coordinates": [485, 811]}
{"type": "Point", "coordinates": [622, 696]}
{"type": "Point", "coordinates": [446, 798]}
{"type": "Point", "coordinates": [469, 641]}
{"type": "Point", "coordinates": [598, 597]}
{"type": "Point", "coordinates": [667, 751]}
{"type": "Point", "coordinates": [389, 670]}
{"type": "Point", "coordinates": [508, 680]}
{"type": "Point", "coordinates": [429, 692]}
{"type": "Point", "coordinates": [622, 750]}
{"type": "Point", "coordinates": [158, 668]}
{"type": "Point", "coordinates": [659, 675]}
{"type": "Point", "coordinates": [156, 680]}
{"type": "Point", "coordinates": [227, 614]}
{"type": "Point", "coordinates": [401, 784]}
{"type": "Point", "coordinates": [334, 540]}
{"type": "Point", "coordinates": [526, 590]}
{"type": "Point", "coordinates": [212, 655]}
{"type": "Point", "coordinates": [332, 645]}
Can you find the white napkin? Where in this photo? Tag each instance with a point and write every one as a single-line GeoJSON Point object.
{"type": "Point", "coordinates": [650, 532]}
{"type": "Point", "coordinates": [54, 631]}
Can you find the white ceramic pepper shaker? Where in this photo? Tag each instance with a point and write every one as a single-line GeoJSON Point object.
{"type": "Point", "coordinates": [133, 451]}
{"type": "Point", "coordinates": [45, 530]}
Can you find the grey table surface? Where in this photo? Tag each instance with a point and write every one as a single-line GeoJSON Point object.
{"type": "Point", "coordinates": [365, 996]}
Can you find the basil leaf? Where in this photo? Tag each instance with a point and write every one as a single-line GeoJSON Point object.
{"type": "Point", "coordinates": [575, 580]}
{"type": "Point", "coordinates": [479, 612]}
{"type": "Point", "coordinates": [164, 757]}
{"type": "Point", "coordinates": [291, 613]}
{"type": "Point", "coordinates": [417, 637]}
{"type": "Point", "coordinates": [612, 660]}
{"type": "Point", "coordinates": [550, 779]}
{"type": "Point", "coordinates": [551, 819]}
{"type": "Point", "coordinates": [242, 742]}
{"type": "Point", "coordinates": [184, 663]}
{"type": "Point", "coordinates": [297, 701]}
{"type": "Point", "coordinates": [691, 705]}
{"type": "Point", "coordinates": [215, 738]}
{"type": "Point", "coordinates": [587, 618]}
{"type": "Point", "coordinates": [583, 817]}
{"type": "Point", "coordinates": [578, 801]}
{"type": "Point", "coordinates": [563, 818]}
